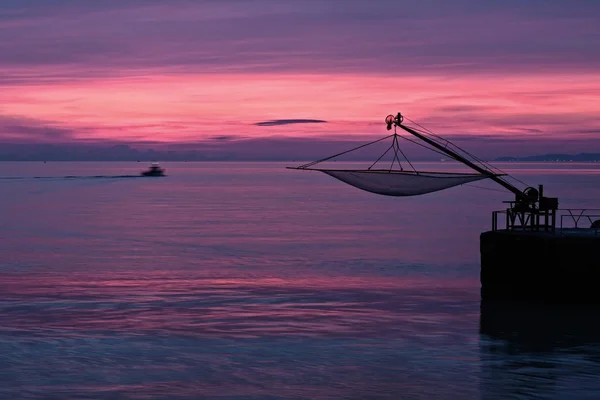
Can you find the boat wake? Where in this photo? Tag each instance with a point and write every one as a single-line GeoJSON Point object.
{"type": "Point", "coordinates": [72, 177]}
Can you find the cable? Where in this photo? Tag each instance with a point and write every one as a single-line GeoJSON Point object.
{"type": "Point", "coordinates": [488, 165]}
{"type": "Point", "coordinates": [401, 152]}
{"type": "Point", "coordinates": [310, 164]}
{"type": "Point", "coordinates": [481, 187]}
{"type": "Point", "coordinates": [474, 157]}
{"type": "Point", "coordinates": [380, 157]}
{"type": "Point", "coordinates": [424, 146]}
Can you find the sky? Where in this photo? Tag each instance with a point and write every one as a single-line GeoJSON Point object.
{"type": "Point", "coordinates": [505, 78]}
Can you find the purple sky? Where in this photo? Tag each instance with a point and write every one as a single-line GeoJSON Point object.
{"type": "Point", "coordinates": [522, 75]}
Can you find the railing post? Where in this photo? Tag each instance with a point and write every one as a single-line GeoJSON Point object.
{"type": "Point", "coordinates": [545, 219]}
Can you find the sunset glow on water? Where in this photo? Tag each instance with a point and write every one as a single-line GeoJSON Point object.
{"type": "Point", "coordinates": [233, 280]}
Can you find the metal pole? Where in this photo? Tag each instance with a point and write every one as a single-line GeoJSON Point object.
{"type": "Point", "coordinates": [518, 193]}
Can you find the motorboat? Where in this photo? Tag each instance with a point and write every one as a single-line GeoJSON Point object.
{"type": "Point", "coordinates": [154, 170]}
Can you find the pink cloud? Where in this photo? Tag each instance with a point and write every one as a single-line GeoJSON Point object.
{"type": "Point", "coordinates": [194, 107]}
{"type": "Point", "coordinates": [189, 71]}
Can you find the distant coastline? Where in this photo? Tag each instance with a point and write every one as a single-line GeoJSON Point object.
{"type": "Point", "coordinates": [581, 157]}
{"type": "Point", "coordinates": [270, 150]}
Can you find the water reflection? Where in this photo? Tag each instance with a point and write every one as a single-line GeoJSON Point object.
{"type": "Point", "coordinates": [247, 281]}
{"type": "Point", "coordinates": [185, 335]}
{"type": "Point", "coordinates": [539, 351]}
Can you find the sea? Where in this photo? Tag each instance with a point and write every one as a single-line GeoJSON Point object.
{"type": "Point", "coordinates": [251, 281]}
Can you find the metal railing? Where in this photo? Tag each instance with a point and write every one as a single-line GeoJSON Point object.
{"type": "Point", "coordinates": [525, 220]}
{"type": "Point", "coordinates": [571, 219]}
{"type": "Point", "coordinates": [574, 218]}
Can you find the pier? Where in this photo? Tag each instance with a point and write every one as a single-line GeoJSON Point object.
{"type": "Point", "coordinates": [542, 255]}
{"type": "Point", "coordinates": [534, 252]}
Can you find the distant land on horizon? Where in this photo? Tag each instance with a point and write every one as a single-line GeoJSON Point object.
{"type": "Point", "coordinates": [245, 150]}
{"type": "Point", "coordinates": [581, 157]}
{"type": "Point", "coordinates": [263, 149]}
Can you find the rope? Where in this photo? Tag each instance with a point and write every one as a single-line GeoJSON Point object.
{"type": "Point", "coordinates": [447, 142]}
{"type": "Point", "coordinates": [484, 163]}
{"type": "Point", "coordinates": [427, 132]}
{"type": "Point", "coordinates": [380, 157]}
{"type": "Point", "coordinates": [424, 146]}
{"type": "Point", "coordinates": [310, 164]}
{"type": "Point", "coordinates": [481, 187]}
{"type": "Point", "coordinates": [395, 158]}
{"type": "Point", "coordinates": [395, 146]}
{"type": "Point", "coordinates": [401, 152]}
{"type": "Point", "coordinates": [474, 157]}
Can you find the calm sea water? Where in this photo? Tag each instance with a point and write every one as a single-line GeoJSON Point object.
{"type": "Point", "coordinates": [249, 281]}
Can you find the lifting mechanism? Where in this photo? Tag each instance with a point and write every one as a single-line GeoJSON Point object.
{"type": "Point", "coordinates": [530, 206]}
{"type": "Point", "coordinates": [530, 210]}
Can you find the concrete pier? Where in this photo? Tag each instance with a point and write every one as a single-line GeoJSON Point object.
{"type": "Point", "coordinates": [562, 266]}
